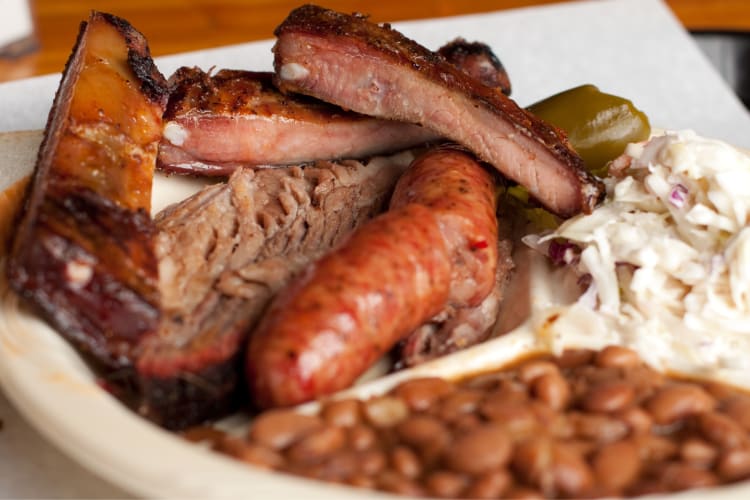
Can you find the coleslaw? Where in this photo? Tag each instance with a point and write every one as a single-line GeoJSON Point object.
{"type": "Point", "coordinates": [667, 254]}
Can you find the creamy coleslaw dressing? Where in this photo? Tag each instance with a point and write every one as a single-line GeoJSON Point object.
{"type": "Point", "coordinates": [668, 254]}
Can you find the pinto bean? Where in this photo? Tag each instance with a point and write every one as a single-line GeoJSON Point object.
{"type": "Point", "coordinates": [343, 412]}
{"type": "Point", "coordinates": [679, 401]}
{"type": "Point", "coordinates": [698, 451]}
{"type": "Point", "coordinates": [648, 487]}
{"type": "Point", "coordinates": [405, 462]}
{"type": "Point", "coordinates": [465, 422]}
{"type": "Point", "coordinates": [385, 411]}
{"type": "Point", "coordinates": [420, 430]}
{"type": "Point", "coordinates": [655, 448]}
{"type": "Point", "coordinates": [572, 475]}
{"type": "Point", "coordinates": [616, 356]}
{"type": "Point", "coordinates": [277, 429]}
{"type": "Point", "coordinates": [636, 418]}
{"type": "Point", "coordinates": [509, 390]}
{"type": "Point", "coordinates": [458, 403]}
{"type": "Point", "coordinates": [361, 481]}
{"type": "Point", "coordinates": [252, 453]}
{"type": "Point", "coordinates": [544, 414]}
{"type": "Point", "coordinates": [734, 464]}
{"type": "Point", "coordinates": [531, 370]}
{"type": "Point", "coordinates": [481, 449]}
{"type": "Point", "coordinates": [609, 396]}
{"type": "Point", "coordinates": [420, 393]}
{"type": "Point", "coordinates": [571, 358]}
{"type": "Point", "coordinates": [446, 484]}
{"type": "Point", "coordinates": [680, 476]}
{"type": "Point", "coordinates": [523, 493]}
{"type": "Point", "coordinates": [318, 444]}
{"type": "Point", "coordinates": [616, 465]}
{"type": "Point", "coordinates": [486, 382]}
{"type": "Point", "coordinates": [544, 464]}
{"type": "Point", "coordinates": [722, 430]}
{"type": "Point", "coordinates": [361, 437]}
{"type": "Point", "coordinates": [396, 483]}
{"type": "Point", "coordinates": [532, 460]}
{"type": "Point", "coordinates": [598, 427]}
{"type": "Point", "coordinates": [491, 484]}
{"type": "Point", "coordinates": [738, 408]}
{"type": "Point", "coordinates": [371, 462]}
{"type": "Point", "coordinates": [718, 390]}
{"type": "Point", "coordinates": [517, 417]}
{"type": "Point", "coordinates": [338, 467]}
{"type": "Point", "coordinates": [645, 380]}
{"type": "Point", "coordinates": [553, 389]}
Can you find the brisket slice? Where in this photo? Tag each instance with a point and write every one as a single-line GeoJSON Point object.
{"type": "Point", "coordinates": [83, 253]}
{"type": "Point", "coordinates": [223, 253]}
{"type": "Point", "coordinates": [375, 70]}
{"type": "Point", "coordinates": [215, 123]}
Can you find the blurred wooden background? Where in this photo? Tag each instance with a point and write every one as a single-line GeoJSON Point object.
{"type": "Point", "coordinates": [173, 26]}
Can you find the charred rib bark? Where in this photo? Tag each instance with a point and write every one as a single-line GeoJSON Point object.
{"type": "Point", "coordinates": [84, 251]}
{"type": "Point", "coordinates": [215, 123]}
{"type": "Point", "coordinates": [374, 70]}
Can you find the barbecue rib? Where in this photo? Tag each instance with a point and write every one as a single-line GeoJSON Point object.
{"type": "Point", "coordinates": [215, 123]}
{"type": "Point", "coordinates": [374, 70]}
{"type": "Point", "coordinates": [83, 252]}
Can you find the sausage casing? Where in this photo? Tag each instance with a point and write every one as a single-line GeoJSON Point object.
{"type": "Point", "coordinates": [391, 275]}
{"type": "Point", "coordinates": [462, 196]}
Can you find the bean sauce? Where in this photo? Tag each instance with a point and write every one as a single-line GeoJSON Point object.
{"type": "Point", "coordinates": [584, 424]}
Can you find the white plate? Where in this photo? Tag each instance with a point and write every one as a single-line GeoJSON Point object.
{"type": "Point", "coordinates": [633, 48]}
{"type": "Point", "coordinates": [58, 393]}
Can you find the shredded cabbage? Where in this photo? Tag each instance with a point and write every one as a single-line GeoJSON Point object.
{"type": "Point", "coordinates": [668, 252]}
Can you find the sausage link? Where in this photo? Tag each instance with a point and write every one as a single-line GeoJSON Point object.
{"type": "Point", "coordinates": [462, 196]}
{"type": "Point", "coordinates": [349, 308]}
{"type": "Point", "coordinates": [390, 276]}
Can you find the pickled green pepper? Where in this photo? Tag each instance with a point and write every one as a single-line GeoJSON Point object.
{"type": "Point", "coordinates": [599, 125]}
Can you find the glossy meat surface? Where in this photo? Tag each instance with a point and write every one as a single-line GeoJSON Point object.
{"type": "Point", "coordinates": [374, 70]}
{"type": "Point", "coordinates": [223, 254]}
{"type": "Point", "coordinates": [456, 328]}
{"type": "Point", "coordinates": [461, 197]}
{"type": "Point", "coordinates": [84, 253]}
{"type": "Point", "coordinates": [328, 326]}
{"type": "Point", "coordinates": [215, 123]}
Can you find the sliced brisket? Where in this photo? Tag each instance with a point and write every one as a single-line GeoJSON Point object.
{"type": "Point", "coordinates": [223, 254]}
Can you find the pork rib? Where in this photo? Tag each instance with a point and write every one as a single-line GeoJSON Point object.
{"type": "Point", "coordinates": [83, 252]}
{"type": "Point", "coordinates": [214, 123]}
{"type": "Point", "coordinates": [374, 70]}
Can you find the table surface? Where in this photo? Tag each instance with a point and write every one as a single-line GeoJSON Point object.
{"type": "Point", "coordinates": [197, 24]}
